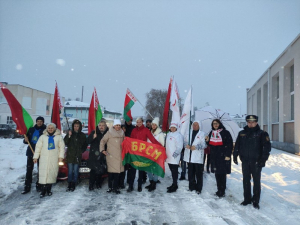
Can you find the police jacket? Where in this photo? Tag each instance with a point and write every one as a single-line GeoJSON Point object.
{"type": "Point", "coordinates": [253, 145]}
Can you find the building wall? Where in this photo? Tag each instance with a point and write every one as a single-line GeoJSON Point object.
{"type": "Point", "coordinates": [272, 95]}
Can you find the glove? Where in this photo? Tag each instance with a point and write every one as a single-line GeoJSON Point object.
{"type": "Point", "coordinates": [175, 154]}
{"type": "Point", "coordinates": [235, 160]}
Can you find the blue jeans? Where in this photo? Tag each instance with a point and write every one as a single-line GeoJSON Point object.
{"type": "Point", "coordinates": [152, 177]}
{"type": "Point", "coordinates": [72, 172]}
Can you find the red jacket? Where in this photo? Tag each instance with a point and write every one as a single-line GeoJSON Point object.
{"type": "Point", "coordinates": [142, 133]}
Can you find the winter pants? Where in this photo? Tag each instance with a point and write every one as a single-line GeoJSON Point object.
{"type": "Point", "coordinates": [195, 176]}
{"type": "Point", "coordinates": [221, 182]}
{"type": "Point", "coordinates": [183, 166]}
{"type": "Point", "coordinates": [131, 176]}
{"type": "Point", "coordinates": [208, 161]}
{"type": "Point", "coordinates": [152, 177]}
{"type": "Point", "coordinates": [29, 169]}
{"type": "Point", "coordinates": [174, 171]}
{"type": "Point", "coordinates": [94, 177]}
{"type": "Point", "coordinates": [113, 180]}
{"type": "Point", "coordinates": [249, 169]}
{"type": "Point", "coordinates": [72, 172]}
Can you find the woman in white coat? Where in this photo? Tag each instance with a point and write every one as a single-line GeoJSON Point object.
{"type": "Point", "coordinates": [194, 142]}
{"type": "Point", "coordinates": [50, 150]}
{"type": "Point", "coordinates": [159, 136]}
{"type": "Point", "coordinates": [174, 144]}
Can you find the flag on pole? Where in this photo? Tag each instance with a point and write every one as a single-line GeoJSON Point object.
{"type": "Point", "coordinates": [95, 113]}
{"type": "Point", "coordinates": [174, 103]}
{"type": "Point", "coordinates": [56, 108]}
{"type": "Point", "coordinates": [19, 115]}
{"type": "Point", "coordinates": [130, 99]}
{"type": "Point", "coordinates": [165, 125]}
{"type": "Point", "coordinates": [187, 112]}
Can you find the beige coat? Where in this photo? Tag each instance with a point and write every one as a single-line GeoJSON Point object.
{"type": "Point", "coordinates": [48, 163]}
{"type": "Point", "coordinates": [114, 140]}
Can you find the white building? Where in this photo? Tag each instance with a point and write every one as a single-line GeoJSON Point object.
{"type": "Point", "coordinates": [275, 98]}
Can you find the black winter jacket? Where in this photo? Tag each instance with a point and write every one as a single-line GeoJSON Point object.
{"type": "Point", "coordinates": [29, 136]}
{"type": "Point", "coordinates": [95, 157]}
{"type": "Point", "coordinates": [129, 129]}
{"type": "Point", "coordinates": [218, 153]}
{"type": "Point", "coordinates": [253, 145]}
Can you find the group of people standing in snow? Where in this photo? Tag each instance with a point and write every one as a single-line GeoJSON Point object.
{"type": "Point", "coordinates": [252, 146]}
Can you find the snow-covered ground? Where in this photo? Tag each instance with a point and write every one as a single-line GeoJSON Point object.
{"type": "Point", "coordinates": [280, 198]}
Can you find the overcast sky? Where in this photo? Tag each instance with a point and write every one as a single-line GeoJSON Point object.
{"type": "Point", "coordinates": [219, 47]}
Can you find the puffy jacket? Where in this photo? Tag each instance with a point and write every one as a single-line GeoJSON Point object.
{"type": "Point", "coordinates": [195, 156]}
{"type": "Point", "coordinates": [159, 136]}
{"type": "Point", "coordinates": [29, 135]}
{"type": "Point", "coordinates": [142, 133]}
{"type": "Point", "coordinates": [174, 143]}
{"type": "Point", "coordinates": [253, 145]}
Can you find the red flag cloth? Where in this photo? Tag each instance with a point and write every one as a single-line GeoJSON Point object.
{"type": "Point", "coordinates": [56, 108]}
{"type": "Point", "coordinates": [92, 118]}
{"type": "Point", "coordinates": [144, 156]}
{"type": "Point", "coordinates": [165, 125]}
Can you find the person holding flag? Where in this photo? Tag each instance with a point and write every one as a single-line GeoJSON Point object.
{"type": "Point", "coordinates": [31, 138]}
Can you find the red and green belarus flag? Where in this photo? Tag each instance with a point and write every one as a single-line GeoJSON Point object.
{"type": "Point", "coordinates": [56, 108]}
{"type": "Point", "coordinates": [19, 115]}
{"type": "Point", "coordinates": [95, 113]}
{"type": "Point", "coordinates": [130, 99]}
{"type": "Point", "coordinates": [144, 156]}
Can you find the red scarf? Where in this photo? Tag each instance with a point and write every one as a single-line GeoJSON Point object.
{"type": "Point", "coordinates": [215, 138]}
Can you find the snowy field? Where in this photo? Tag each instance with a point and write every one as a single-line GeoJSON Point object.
{"type": "Point", "coordinates": [280, 198]}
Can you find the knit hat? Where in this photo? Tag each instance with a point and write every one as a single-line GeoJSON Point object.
{"type": "Point", "coordinates": [156, 121]}
{"type": "Point", "coordinates": [173, 124]}
{"type": "Point", "coordinates": [40, 118]}
{"type": "Point", "coordinates": [117, 122]}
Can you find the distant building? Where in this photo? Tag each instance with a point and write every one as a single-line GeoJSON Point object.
{"type": "Point", "coordinates": [36, 102]}
{"type": "Point", "coordinates": [275, 98]}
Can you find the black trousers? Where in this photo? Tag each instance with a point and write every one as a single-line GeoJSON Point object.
{"type": "Point", "coordinates": [174, 171]}
{"type": "Point", "coordinates": [195, 172]}
{"type": "Point", "coordinates": [131, 176]}
{"type": "Point", "coordinates": [113, 180]}
{"type": "Point", "coordinates": [29, 169]}
{"type": "Point", "coordinates": [221, 182]}
{"type": "Point", "coordinates": [95, 178]}
{"type": "Point", "coordinates": [249, 169]}
{"type": "Point", "coordinates": [208, 161]}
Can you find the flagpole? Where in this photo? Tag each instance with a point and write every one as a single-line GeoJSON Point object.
{"type": "Point", "coordinates": [29, 144]}
{"type": "Point", "coordinates": [141, 104]}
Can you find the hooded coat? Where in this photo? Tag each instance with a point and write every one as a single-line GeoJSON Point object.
{"type": "Point", "coordinates": [113, 139]}
{"type": "Point", "coordinates": [95, 155]}
{"type": "Point", "coordinates": [48, 159]}
{"type": "Point", "coordinates": [218, 153]}
{"type": "Point", "coordinates": [174, 143]}
{"type": "Point", "coordinates": [76, 144]}
{"type": "Point", "coordinates": [195, 156]}
{"type": "Point", "coordinates": [29, 134]}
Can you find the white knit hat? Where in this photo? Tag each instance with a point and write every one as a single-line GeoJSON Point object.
{"type": "Point", "coordinates": [174, 124]}
{"type": "Point", "coordinates": [117, 122]}
{"type": "Point", "coordinates": [156, 121]}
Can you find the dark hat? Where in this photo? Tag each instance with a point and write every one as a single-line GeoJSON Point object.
{"type": "Point", "coordinates": [40, 118]}
{"type": "Point", "coordinates": [251, 118]}
{"type": "Point", "coordinates": [148, 121]}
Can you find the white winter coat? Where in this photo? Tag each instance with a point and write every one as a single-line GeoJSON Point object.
{"type": "Point", "coordinates": [48, 163]}
{"type": "Point", "coordinates": [159, 136]}
{"type": "Point", "coordinates": [199, 143]}
{"type": "Point", "coordinates": [174, 143]}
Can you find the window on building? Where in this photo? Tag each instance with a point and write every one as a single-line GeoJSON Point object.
{"type": "Point", "coordinates": [292, 107]}
{"type": "Point", "coordinates": [278, 110]}
{"type": "Point", "coordinates": [292, 78]}
{"type": "Point", "coordinates": [9, 120]}
{"type": "Point", "coordinates": [26, 102]}
{"type": "Point", "coordinates": [292, 91]}
{"type": "Point", "coordinates": [277, 87]}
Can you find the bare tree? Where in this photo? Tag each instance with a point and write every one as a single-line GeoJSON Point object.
{"type": "Point", "coordinates": [155, 103]}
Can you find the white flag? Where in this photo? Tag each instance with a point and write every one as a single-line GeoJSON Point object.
{"type": "Point", "coordinates": [174, 103]}
{"type": "Point", "coordinates": [187, 112]}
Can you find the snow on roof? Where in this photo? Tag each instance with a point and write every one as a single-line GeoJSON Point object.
{"type": "Point", "coordinates": [76, 104]}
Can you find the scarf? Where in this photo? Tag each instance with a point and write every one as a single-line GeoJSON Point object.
{"type": "Point", "coordinates": [51, 144]}
{"type": "Point", "coordinates": [35, 136]}
{"type": "Point", "coordinates": [215, 138]}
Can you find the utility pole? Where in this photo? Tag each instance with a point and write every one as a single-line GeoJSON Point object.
{"type": "Point", "coordinates": [82, 94]}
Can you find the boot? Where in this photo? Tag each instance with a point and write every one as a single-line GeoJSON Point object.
{"type": "Point", "coordinates": [244, 203]}
{"type": "Point", "coordinates": [109, 190]}
{"type": "Point", "coordinates": [72, 186]}
{"type": "Point", "coordinates": [169, 187]}
{"type": "Point", "coordinates": [152, 187]}
{"type": "Point", "coordinates": [48, 189]}
{"type": "Point", "coordinates": [130, 189]}
{"type": "Point", "coordinates": [255, 205]}
{"type": "Point", "coordinates": [43, 191]}
{"type": "Point", "coordinates": [139, 188]}
{"type": "Point", "coordinates": [116, 191]}
{"type": "Point", "coordinates": [38, 187]}
{"type": "Point", "coordinates": [148, 186]}
{"type": "Point", "coordinates": [69, 186]}
{"type": "Point", "coordinates": [26, 189]}
{"type": "Point", "coordinates": [173, 189]}
{"type": "Point", "coordinates": [182, 178]}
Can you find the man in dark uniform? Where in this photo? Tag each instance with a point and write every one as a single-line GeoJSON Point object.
{"type": "Point", "coordinates": [32, 137]}
{"type": "Point", "coordinates": [253, 147]}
